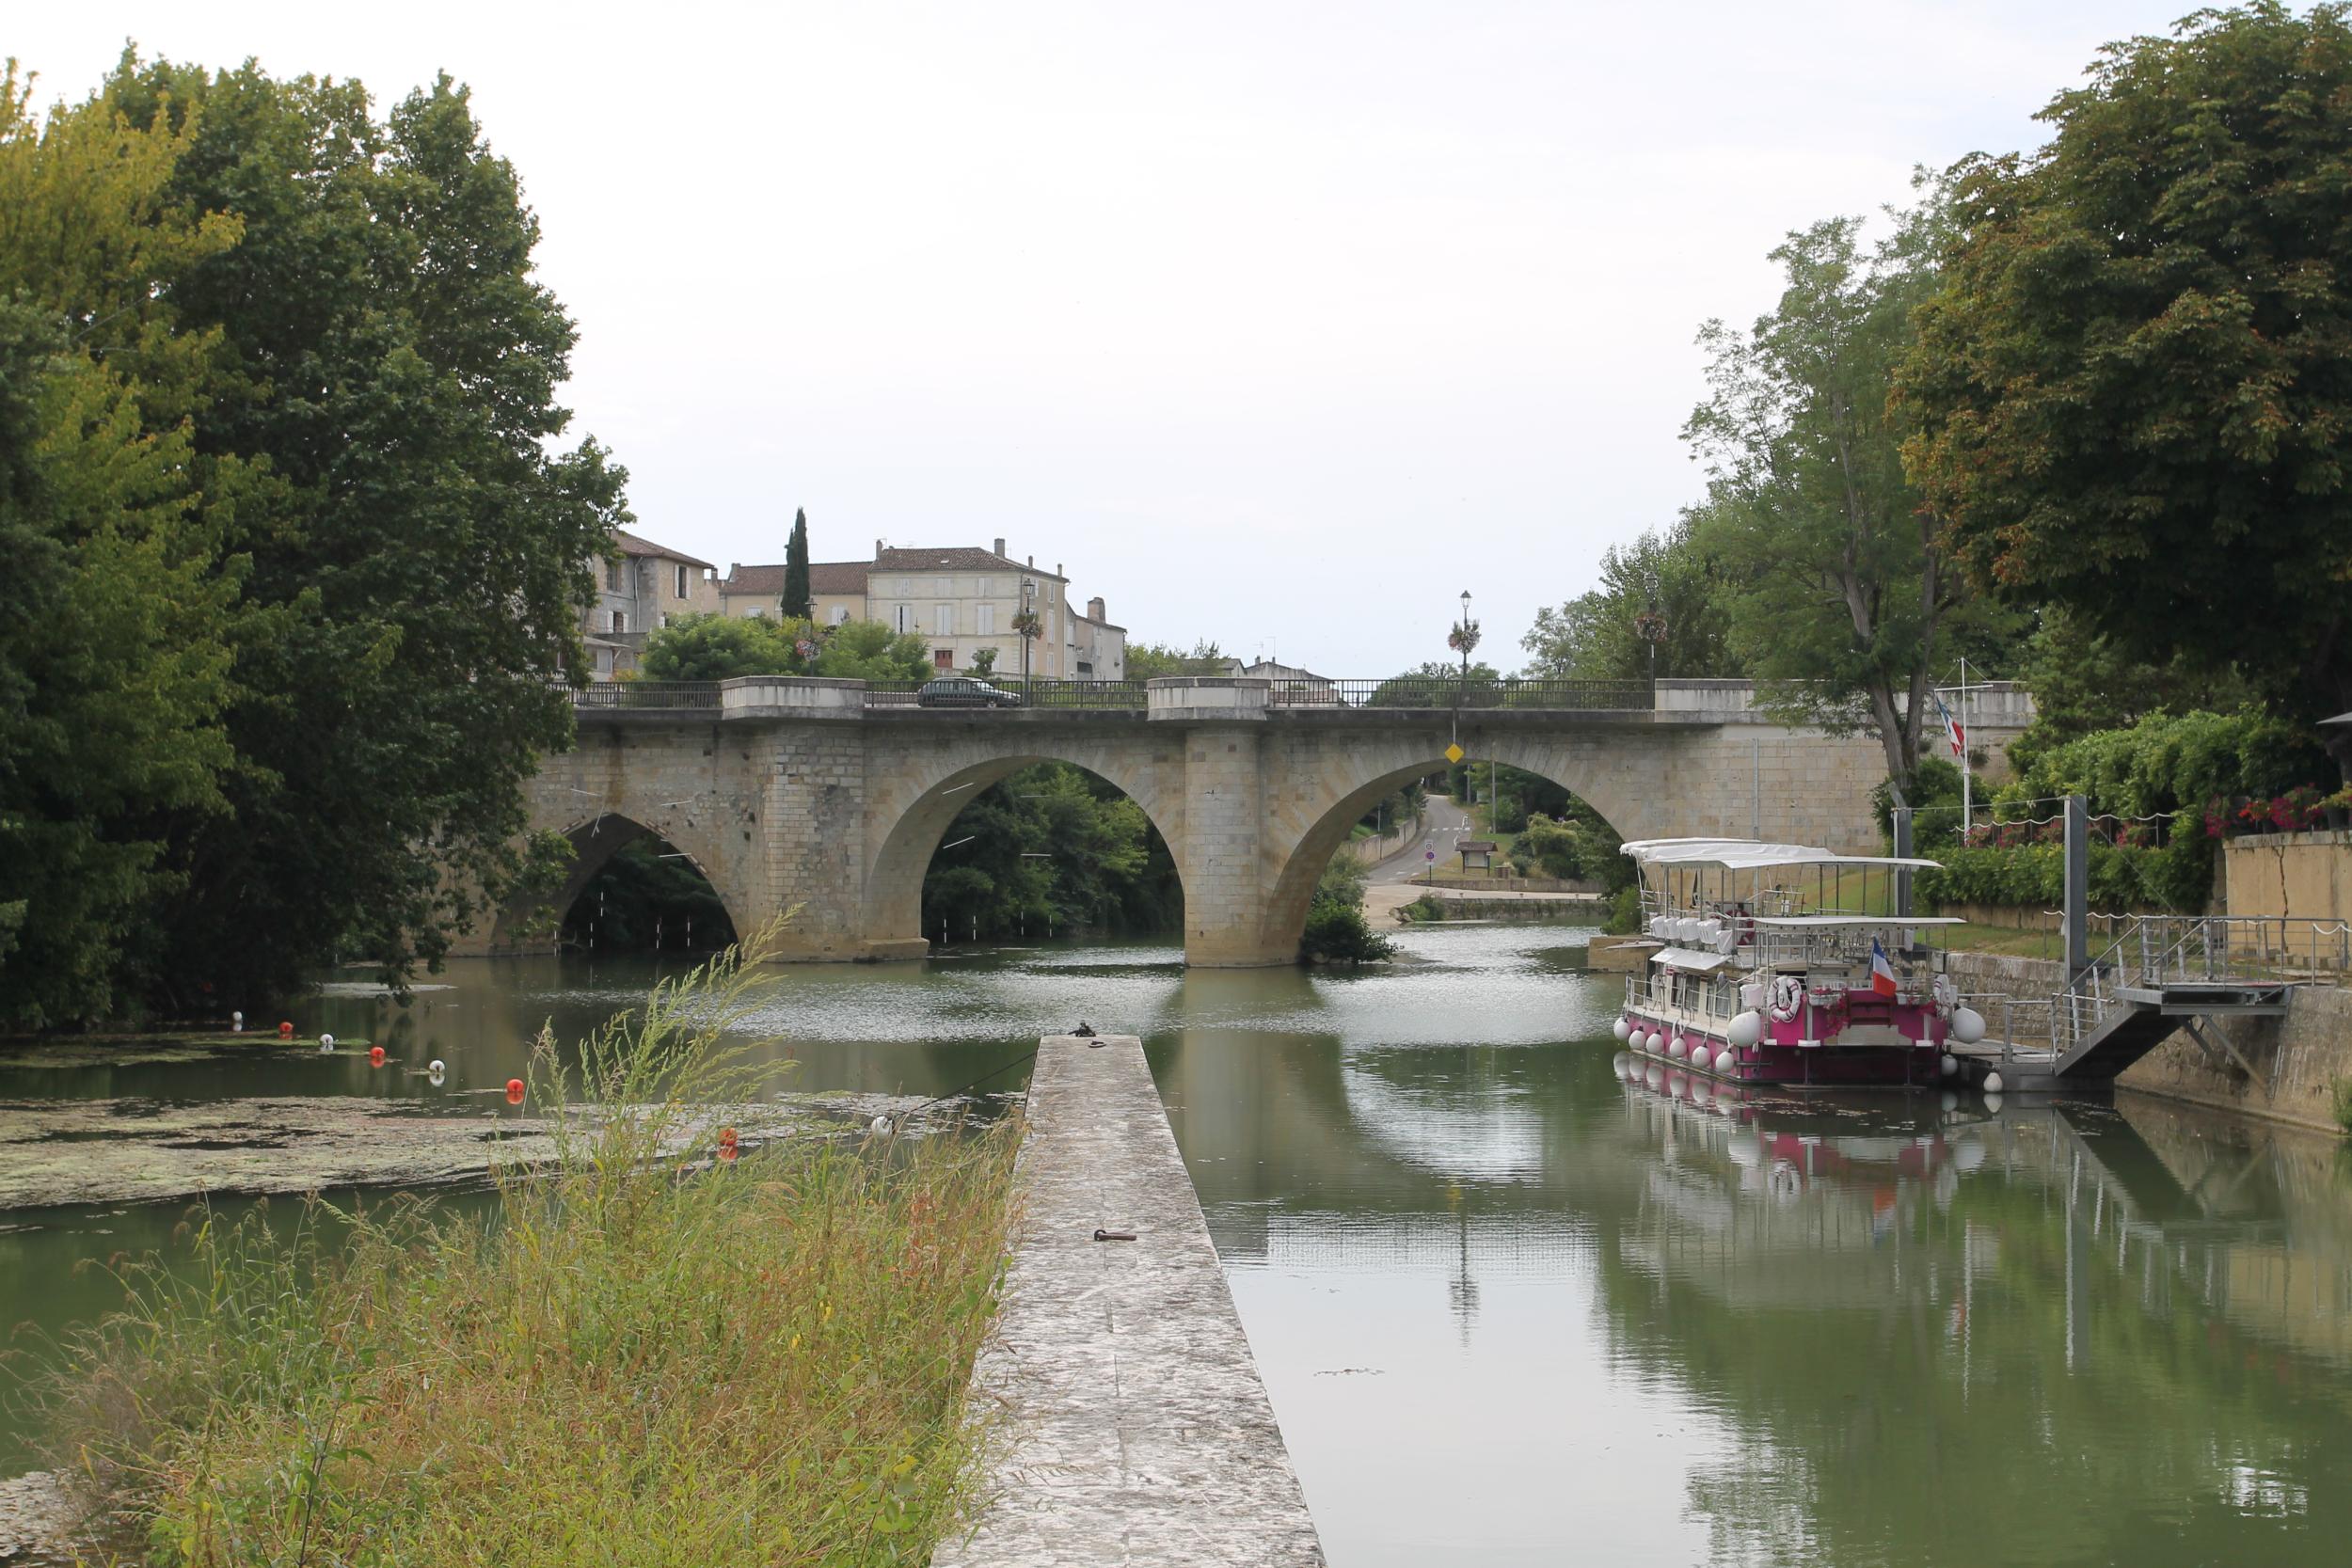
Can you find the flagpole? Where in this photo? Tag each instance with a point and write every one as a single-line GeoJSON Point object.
{"type": "Point", "coordinates": [1967, 794]}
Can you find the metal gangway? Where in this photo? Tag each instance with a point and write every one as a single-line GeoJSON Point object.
{"type": "Point", "coordinates": [2159, 973]}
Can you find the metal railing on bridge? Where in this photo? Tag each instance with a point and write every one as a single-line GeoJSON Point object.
{"type": "Point", "coordinates": [1417, 692]}
{"type": "Point", "coordinates": [1123, 696]}
{"type": "Point", "coordinates": [668, 696]}
{"type": "Point", "coordinates": [1440, 692]}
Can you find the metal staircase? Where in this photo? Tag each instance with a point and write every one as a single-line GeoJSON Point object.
{"type": "Point", "coordinates": [2161, 974]}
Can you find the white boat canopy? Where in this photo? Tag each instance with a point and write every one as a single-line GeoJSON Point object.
{"type": "Point", "coordinates": [1833, 922]}
{"type": "Point", "coordinates": [1747, 854]}
{"type": "Point", "coordinates": [1689, 958]}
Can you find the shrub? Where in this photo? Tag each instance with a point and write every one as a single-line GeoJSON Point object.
{"type": "Point", "coordinates": [1625, 913]}
{"type": "Point", "coordinates": [1336, 933]}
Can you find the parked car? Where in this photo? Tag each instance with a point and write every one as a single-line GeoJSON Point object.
{"type": "Point", "coordinates": [963, 691]}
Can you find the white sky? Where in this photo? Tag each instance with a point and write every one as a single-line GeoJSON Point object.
{"type": "Point", "coordinates": [1274, 323]}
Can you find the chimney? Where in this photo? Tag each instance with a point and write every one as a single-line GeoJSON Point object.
{"type": "Point", "coordinates": [1057, 568]}
{"type": "Point", "coordinates": [733, 567]}
{"type": "Point", "coordinates": [877, 550]}
{"type": "Point", "coordinates": [1032, 561]}
{"type": "Point", "coordinates": [1000, 548]}
{"type": "Point", "coordinates": [1095, 611]}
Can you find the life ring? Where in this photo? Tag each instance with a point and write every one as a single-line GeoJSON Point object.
{"type": "Point", "coordinates": [1787, 996]}
{"type": "Point", "coordinates": [1946, 995]}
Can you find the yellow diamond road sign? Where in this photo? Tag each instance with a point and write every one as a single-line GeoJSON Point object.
{"type": "Point", "coordinates": [1453, 754]}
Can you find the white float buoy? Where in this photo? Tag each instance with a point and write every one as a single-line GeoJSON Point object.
{"type": "Point", "coordinates": [437, 1065]}
{"type": "Point", "coordinates": [880, 1126]}
{"type": "Point", "coordinates": [1967, 1025]}
{"type": "Point", "coordinates": [327, 1042]}
{"type": "Point", "coordinates": [1993, 1084]}
{"type": "Point", "coordinates": [236, 1024]}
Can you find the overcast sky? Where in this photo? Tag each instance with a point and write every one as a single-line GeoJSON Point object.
{"type": "Point", "coordinates": [1273, 323]}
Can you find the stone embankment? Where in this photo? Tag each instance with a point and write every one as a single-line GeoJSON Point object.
{"type": "Point", "coordinates": [1130, 1424]}
{"type": "Point", "coordinates": [2284, 1068]}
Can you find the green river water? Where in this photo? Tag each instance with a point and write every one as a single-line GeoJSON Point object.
{"type": "Point", "coordinates": [1513, 1308]}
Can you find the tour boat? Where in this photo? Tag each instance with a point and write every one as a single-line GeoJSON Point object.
{"type": "Point", "coordinates": [1755, 978]}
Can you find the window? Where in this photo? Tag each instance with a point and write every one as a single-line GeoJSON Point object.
{"type": "Point", "coordinates": [944, 658]}
{"type": "Point", "coordinates": [613, 576]}
{"type": "Point", "coordinates": [665, 618]}
{"type": "Point", "coordinates": [987, 619]}
{"type": "Point", "coordinates": [942, 620]}
{"type": "Point", "coordinates": [620, 622]}
{"type": "Point", "coordinates": [680, 580]}
{"type": "Point", "coordinates": [758, 613]}
{"type": "Point", "coordinates": [898, 618]}
{"type": "Point", "coordinates": [840, 615]}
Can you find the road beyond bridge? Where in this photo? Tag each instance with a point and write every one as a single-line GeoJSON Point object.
{"type": "Point", "coordinates": [829, 799]}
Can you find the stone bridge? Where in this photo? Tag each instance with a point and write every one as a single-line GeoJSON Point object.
{"type": "Point", "coordinates": [821, 797]}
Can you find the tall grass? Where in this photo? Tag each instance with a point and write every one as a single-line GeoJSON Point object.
{"type": "Point", "coordinates": [648, 1354]}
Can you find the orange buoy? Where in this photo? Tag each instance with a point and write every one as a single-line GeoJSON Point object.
{"type": "Point", "coordinates": [727, 1137]}
{"type": "Point", "coordinates": [726, 1153]}
{"type": "Point", "coordinates": [376, 1056]}
{"type": "Point", "coordinates": [514, 1091]}
{"type": "Point", "coordinates": [285, 1031]}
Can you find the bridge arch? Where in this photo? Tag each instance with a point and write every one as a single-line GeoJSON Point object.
{"type": "Point", "coordinates": [923, 797]}
{"type": "Point", "coordinates": [1310, 829]}
{"type": "Point", "coordinates": [529, 923]}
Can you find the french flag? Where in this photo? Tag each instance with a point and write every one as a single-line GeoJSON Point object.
{"type": "Point", "coordinates": [1881, 973]}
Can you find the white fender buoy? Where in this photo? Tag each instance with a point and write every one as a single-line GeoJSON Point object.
{"type": "Point", "coordinates": [1674, 1048]}
{"type": "Point", "coordinates": [1993, 1084]}
{"type": "Point", "coordinates": [1950, 1065]}
{"type": "Point", "coordinates": [1967, 1025]}
{"type": "Point", "coordinates": [1621, 1029]}
{"type": "Point", "coordinates": [1700, 1056]}
{"type": "Point", "coordinates": [1746, 1029]}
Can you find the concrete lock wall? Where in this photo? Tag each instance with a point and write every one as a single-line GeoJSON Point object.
{"type": "Point", "coordinates": [797, 798]}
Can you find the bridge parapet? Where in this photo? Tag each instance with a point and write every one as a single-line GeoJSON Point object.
{"type": "Point", "coordinates": [1204, 699]}
{"type": "Point", "coordinates": [791, 697]}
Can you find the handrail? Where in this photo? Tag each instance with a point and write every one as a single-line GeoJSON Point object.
{"type": "Point", "coordinates": [1425, 693]}
{"type": "Point", "coordinates": [673, 695]}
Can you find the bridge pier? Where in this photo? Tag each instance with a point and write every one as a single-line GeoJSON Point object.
{"type": "Point", "coordinates": [818, 799]}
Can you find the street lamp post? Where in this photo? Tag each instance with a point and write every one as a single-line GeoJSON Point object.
{"type": "Point", "coordinates": [1028, 627]}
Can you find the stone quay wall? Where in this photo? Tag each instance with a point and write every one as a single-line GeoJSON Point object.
{"type": "Point", "coordinates": [1130, 1424]}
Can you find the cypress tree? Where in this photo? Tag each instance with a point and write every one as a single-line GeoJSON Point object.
{"type": "Point", "coordinates": [796, 598]}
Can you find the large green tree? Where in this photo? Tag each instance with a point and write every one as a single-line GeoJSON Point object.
{"type": "Point", "coordinates": [1658, 610]}
{"type": "Point", "coordinates": [1840, 594]}
{"type": "Point", "coordinates": [382, 356]}
{"type": "Point", "coordinates": [114, 659]}
{"type": "Point", "coordinates": [2133, 394]}
{"type": "Point", "coordinates": [796, 591]}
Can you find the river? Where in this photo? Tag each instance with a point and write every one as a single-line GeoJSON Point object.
{"type": "Point", "coordinates": [1513, 1309]}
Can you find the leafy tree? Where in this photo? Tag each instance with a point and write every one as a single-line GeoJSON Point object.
{"type": "Point", "coordinates": [1839, 593]}
{"type": "Point", "coordinates": [1335, 930]}
{"type": "Point", "coordinates": [114, 659]}
{"type": "Point", "coordinates": [1438, 683]}
{"type": "Point", "coordinates": [1148, 660]}
{"type": "Point", "coordinates": [1658, 610]}
{"type": "Point", "coordinates": [2130, 396]}
{"type": "Point", "coordinates": [983, 664]}
{"type": "Point", "coordinates": [379, 402]}
{"type": "Point", "coordinates": [721, 647]}
{"type": "Point", "coordinates": [2085, 681]}
{"type": "Point", "coordinates": [796, 594]}
{"type": "Point", "coordinates": [869, 650]}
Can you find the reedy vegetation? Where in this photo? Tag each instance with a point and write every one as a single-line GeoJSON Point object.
{"type": "Point", "coordinates": [756, 1361]}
